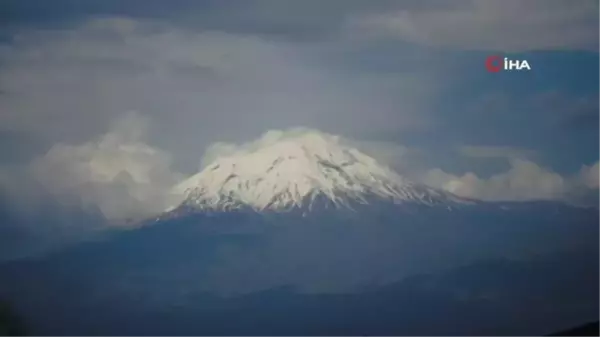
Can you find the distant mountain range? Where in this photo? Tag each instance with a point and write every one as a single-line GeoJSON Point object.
{"type": "Point", "coordinates": [307, 236]}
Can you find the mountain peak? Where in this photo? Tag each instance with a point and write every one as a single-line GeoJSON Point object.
{"type": "Point", "coordinates": [293, 170]}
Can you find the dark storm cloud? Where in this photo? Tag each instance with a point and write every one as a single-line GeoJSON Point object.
{"type": "Point", "coordinates": [301, 18]}
{"type": "Point", "coordinates": [198, 86]}
{"type": "Point", "coordinates": [509, 26]}
{"type": "Point", "coordinates": [339, 65]}
{"type": "Point", "coordinates": [483, 24]}
{"type": "Point", "coordinates": [32, 12]}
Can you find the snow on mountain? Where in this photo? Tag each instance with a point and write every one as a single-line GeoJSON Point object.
{"type": "Point", "coordinates": [300, 170]}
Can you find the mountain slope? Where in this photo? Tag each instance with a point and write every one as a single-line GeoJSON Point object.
{"type": "Point", "coordinates": [589, 329]}
{"type": "Point", "coordinates": [301, 171]}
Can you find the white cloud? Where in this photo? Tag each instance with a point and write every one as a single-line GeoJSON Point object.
{"type": "Point", "coordinates": [388, 153]}
{"type": "Point", "coordinates": [401, 158]}
{"type": "Point", "coordinates": [508, 25]}
{"type": "Point", "coordinates": [589, 176]}
{"type": "Point", "coordinates": [117, 173]}
{"type": "Point", "coordinates": [221, 149]}
{"type": "Point", "coordinates": [525, 180]}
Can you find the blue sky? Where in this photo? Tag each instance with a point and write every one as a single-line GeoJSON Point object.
{"type": "Point", "coordinates": [81, 79]}
{"type": "Point", "coordinates": [553, 109]}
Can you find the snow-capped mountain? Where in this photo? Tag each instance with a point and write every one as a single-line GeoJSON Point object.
{"type": "Point", "coordinates": [300, 171]}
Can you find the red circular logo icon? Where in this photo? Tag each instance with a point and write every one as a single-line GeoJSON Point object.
{"type": "Point", "coordinates": [493, 64]}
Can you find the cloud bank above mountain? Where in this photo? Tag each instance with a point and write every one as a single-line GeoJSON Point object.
{"type": "Point", "coordinates": [118, 172]}
{"type": "Point", "coordinates": [67, 85]}
{"type": "Point", "coordinates": [525, 180]}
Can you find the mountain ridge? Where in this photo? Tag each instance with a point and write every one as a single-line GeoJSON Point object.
{"type": "Point", "coordinates": [301, 171]}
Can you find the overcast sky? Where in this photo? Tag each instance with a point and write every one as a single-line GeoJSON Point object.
{"type": "Point", "coordinates": [112, 102]}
